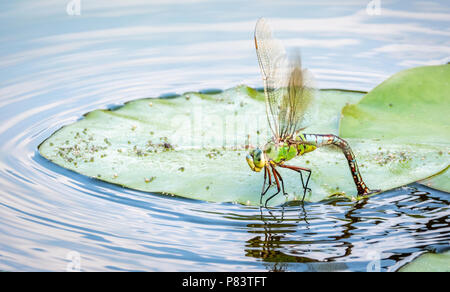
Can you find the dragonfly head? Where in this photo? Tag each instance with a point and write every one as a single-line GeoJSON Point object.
{"type": "Point", "coordinates": [255, 159]}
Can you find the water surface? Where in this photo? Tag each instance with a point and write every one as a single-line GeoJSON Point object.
{"type": "Point", "coordinates": [54, 67]}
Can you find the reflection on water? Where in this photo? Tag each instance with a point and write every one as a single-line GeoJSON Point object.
{"type": "Point", "coordinates": [342, 235]}
{"type": "Point", "coordinates": [55, 67]}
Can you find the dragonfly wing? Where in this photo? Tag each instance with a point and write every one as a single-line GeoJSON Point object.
{"type": "Point", "coordinates": [271, 58]}
{"type": "Point", "coordinates": [288, 88]}
{"type": "Point", "coordinates": [297, 99]}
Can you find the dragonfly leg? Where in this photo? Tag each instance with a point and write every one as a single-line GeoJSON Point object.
{"type": "Point", "coordinates": [281, 180]}
{"type": "Point", "coordinates": [305, 186]}
{"type": "Point", "coordinates": [277, 178]}
{"type": "Point", "coordinates": [299, 170]}
{"type": "Point", "coordinates": [264, 183]}
{"type": "Point", "coordinates": [266, 174]}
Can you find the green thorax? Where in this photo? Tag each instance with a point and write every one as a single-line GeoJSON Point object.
{"type": "Point", "coordinates": [286, 150]}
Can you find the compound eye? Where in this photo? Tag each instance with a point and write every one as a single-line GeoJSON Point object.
{"type": "Point", "coordinates": [257, 155]}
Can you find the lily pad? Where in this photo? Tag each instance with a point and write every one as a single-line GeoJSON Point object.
{"type": "Point", "coordinates": [429, 262]}
{"type": "Point", "coordinates": [440, 181]}
{"type": "Point", "coordinates": [194, 146]}
{"type": "Point", "coordinates": [410, 107]}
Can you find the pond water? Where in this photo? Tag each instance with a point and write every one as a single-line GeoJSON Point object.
{"type": "Point", "coordinates": [61, 59]}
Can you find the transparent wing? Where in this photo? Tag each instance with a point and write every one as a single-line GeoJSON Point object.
{"type": "Point", "coordinates": [297, 99]}
{"type": "Point", "coordinates": [271, 58]}
{"type": "Point", "coordinates": [288, 88]}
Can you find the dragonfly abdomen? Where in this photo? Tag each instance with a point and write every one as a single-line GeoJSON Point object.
{"type": "Point", "coordinates": [323, 140]}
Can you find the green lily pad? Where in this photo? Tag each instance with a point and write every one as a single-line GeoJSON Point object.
{"type": "Point", "coordinates": [410, 107]}
{"type": "Point", "coordinates": [429, 262]}
{"type": "Point", "coordinates": [440, 181]}
{"type": "Point", "coordinates": [194, 146]}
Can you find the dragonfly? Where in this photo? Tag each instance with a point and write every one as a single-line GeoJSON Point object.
{"type": "Point", "coordinates": [289, 92]}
